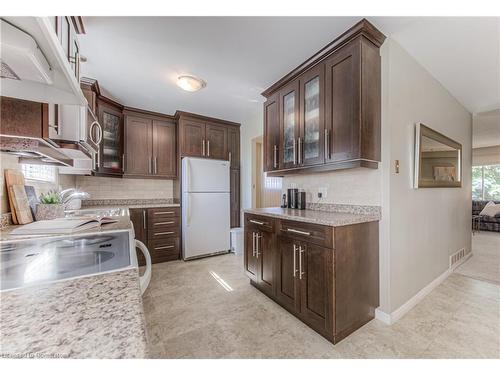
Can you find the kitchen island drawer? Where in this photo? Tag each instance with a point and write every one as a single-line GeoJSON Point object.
{"type": "Point", "coordinates": [256, 222]}
{"type": "Point", "coordinates": [321, 235]}
{"type": "Point", "coordinates": [164, 249]}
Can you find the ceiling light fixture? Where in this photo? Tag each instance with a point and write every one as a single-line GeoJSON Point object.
{"type": "Point", "coordinates": [190, 83]}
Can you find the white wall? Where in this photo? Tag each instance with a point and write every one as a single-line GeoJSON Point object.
{"type": "Point", "coordinates": [424, 226]}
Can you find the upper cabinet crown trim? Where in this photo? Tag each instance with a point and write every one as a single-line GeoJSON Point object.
{"type": "Point", "coordinates": [363, 28]}
{"type": "Point", "coordinates": [179, 114]}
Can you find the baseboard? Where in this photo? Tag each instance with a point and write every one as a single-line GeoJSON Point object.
{"type": "Point", "coordinates": [412, 302]}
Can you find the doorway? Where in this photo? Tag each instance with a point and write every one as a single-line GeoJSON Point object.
{"type": "Point", "coordinates": [266, 191]}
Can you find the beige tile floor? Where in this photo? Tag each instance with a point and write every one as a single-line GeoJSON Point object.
{"type": "Point", "coordinates": [485, 261]}
{"type": "Point", "coordinates": [190, 314]}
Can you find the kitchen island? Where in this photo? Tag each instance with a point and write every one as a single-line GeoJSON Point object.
{"type": "Point", "coordinates": [322, 266]}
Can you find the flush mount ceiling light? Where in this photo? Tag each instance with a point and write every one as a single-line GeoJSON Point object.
{"type": "Point", "coordinates": [190, 83]}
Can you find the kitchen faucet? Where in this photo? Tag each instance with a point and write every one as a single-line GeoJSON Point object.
{"type": "Point", "coordinates": [67, 195]}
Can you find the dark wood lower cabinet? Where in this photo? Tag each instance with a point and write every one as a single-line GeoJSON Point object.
{"type": "Point", "coordinates": [235, 197]}
{"type": "Point", "coordinates": [159, 230]}
{"type": "Point", "coordinates": [329, 282]}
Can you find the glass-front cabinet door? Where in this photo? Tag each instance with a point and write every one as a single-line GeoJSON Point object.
{"type": "Point", "coordinates": [310, 146]}
{"type": "Point", "coordinates": [111, 156]}
{"type": "Point", "coordinates": [289, 124]}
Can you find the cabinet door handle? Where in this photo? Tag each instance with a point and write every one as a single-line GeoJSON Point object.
{"type": "Point", "coordinates": [208, 148]}
{"type": "Point", "coordinates": [301, 273]}
{"type": "Point", "coordinates": [203, 146]}
{"type": "Point", "coordinates": [149, 164]}
{"type": "Point", "coordinates": [229, 157]}
{"type": "Point", "coordinates": [144, 219]}
{"type": "Point", "coordinates": [156, 165]}
{"type": "Point", "coordinates": [164, 213]}
{"type": "Point", "coordinates": [298, 231]}
{"type": "Point", "coordinates": [327, 144]}
{"type": "Point", "coordinates": [294, 152]}
{"type": "Point", "coordinates": [123, 162]}
{"type": "Point", "coordinates": [294, 260]}
{"type": "Point", "coordinates": [253, 244]}
{"type": "Point", "coordinates": [257, 238]}
{"type": "Point", "coordinates": [257, 222]}
{"type": "Point", "coordinates": [162, 233]}
{"type": "Point", "coordinates": [299, 151]}
{"type": "Point", "coordinates": [275, 160]}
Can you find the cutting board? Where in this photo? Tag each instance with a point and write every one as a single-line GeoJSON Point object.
{"type": "Point", "coordinates": [13, 177]}
{"type": "Point", "coordinates": [21, 204]}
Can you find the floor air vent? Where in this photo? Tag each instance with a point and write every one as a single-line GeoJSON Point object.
{"type": "Point", "coordinates": [457, 258]}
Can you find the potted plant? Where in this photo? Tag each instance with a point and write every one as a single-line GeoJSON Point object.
{"type": "Point", "coordinates": [50, 206]}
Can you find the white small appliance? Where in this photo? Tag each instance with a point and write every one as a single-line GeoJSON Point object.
{"type": "Point", "coordinates": [205, 207]}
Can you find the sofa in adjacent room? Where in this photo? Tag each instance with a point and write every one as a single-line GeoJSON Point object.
{"type": "Point", "coordinates": [489, 223]}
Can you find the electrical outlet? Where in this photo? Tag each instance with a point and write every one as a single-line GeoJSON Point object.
{"type": "Point", "coordinates": [322, 192]}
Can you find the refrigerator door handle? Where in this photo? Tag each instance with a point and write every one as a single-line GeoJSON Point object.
{"type": "Point", "coordinates": [188, 209]}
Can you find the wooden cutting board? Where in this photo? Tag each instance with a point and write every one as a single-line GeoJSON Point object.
{"type": "Point", "coordinates": [13, 177]}
{"type": "Point", "coordinates": [21, 204]}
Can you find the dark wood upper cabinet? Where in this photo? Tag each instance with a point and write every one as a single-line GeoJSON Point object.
{"type": "Point", "coordinates": [164, 149]}
{"type": "Point", "coordinates": [138, 146]}
{"type": "Point", "coordinates": [289, 124]}
{"type": "Point", "coordinates": [150, 145]}
{"type": "Point", "coordinates": [312, 122]}
{"type": "Point", "coordinates": [111, 154]}
{"type": "Point", "coordinates": [233, 146]}
{"type": "Point", "coordinates": [216, 141]}
{"type": "Point", "coordinates": [271, 134]}
{"type": "Point", "coordinates": [329, 108]}
{"type": "Point", "coordinates": [192, 138]}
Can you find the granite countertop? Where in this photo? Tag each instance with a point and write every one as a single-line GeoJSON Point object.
{"type": "Point", "coordinates": [129, 203]}
{"type": "Point", "coordinates": [333, 219]}
{"type": "Point", "coordinates": [90, 317]}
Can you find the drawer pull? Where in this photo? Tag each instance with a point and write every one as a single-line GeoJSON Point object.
{"type": "Point", "coordinates": [165, 222]}
{"type": "Point", "coordinates": [164, 247]}
{"type": "Point", "coordinates": [164, 213]}
{"type": "Point", "coordinates": [162, 233]}
{"type": "Point", "coordinates": [298, 232]}
{"type": "Point", "coordinates": [257, 222]}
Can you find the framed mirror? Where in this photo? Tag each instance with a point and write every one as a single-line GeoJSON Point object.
{"type": "Point", "coordinates": [438, 159]}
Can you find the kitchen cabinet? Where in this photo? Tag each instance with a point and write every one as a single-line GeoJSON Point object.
{"type": "Point", "coordinates": [111, 154]}
{"type": "Point", "coordinates": [325, 276]}
{"type": "Point", "coordinates": [235, 197]}
{"type": "Point", "coordinates": [192, 138]}
{"type": "Point", "coordinates": [159, 229]}
{"type": "Point", "coordinates": [216, 139]}
{"type": "Point", "coordinates": [259, 253]}
{"type": "Point", "coordinates": [328, 112]}
{"type": "Point", "coordinates": [233, 146]}
{"type": "Point", "coordinates": [271, 134]}
{"type": "Point", "coordinates": [150, 146]}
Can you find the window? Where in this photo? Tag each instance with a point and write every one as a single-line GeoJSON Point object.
{"type": "Point", "coordinates": [486, 182]}
{"type": "Point", "coordinates": [39, 172]}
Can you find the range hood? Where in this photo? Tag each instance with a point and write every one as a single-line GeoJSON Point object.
{"type": "Point", "coordinates": [34, 65]}
{"type": "Point", "coordinates": [34, 151]}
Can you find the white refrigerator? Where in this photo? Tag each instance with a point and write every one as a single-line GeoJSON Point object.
{"type": "Point", "coordinates": [205, 207]}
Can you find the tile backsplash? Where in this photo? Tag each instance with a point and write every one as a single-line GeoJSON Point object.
{"type": "Point", "coordinates": [124, 188]}
{"type": "Point", "coordinates": [360, 186]}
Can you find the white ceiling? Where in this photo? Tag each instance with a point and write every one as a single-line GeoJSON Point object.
{"type": "Point", "coordinates": [486, 129]}
{"type": "Point", "coordinates": [137, 59]}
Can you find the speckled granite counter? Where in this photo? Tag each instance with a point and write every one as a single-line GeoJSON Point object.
{"type": "Point", "coordinates": [334, 219]}
{"type": "Point", "coordinates": [129, 203]}
{"type": "Point", "coordinates": [91, 317]}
